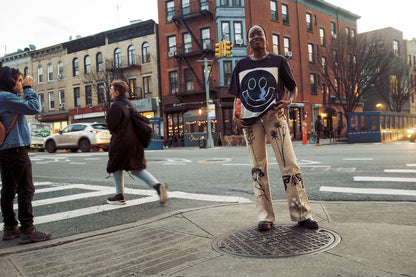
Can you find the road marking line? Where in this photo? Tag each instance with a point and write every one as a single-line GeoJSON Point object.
{"type": "Point", "coordinates": [400, 170]}
{"type": "Point", "coordinates": [369, 191]}
{"type": "Point", "coordinates": [383, 179]}
{"type": "Point", "coordinates": [357, 159]}
{"type": "Point", "coordinates": [410, 164]}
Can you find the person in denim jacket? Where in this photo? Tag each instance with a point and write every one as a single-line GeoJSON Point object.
{"type": "Point", "coordinates": [16, 168]}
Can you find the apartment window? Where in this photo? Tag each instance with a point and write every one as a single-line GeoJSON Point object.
{"type": "Point", "coordinates": [100, 94]}
{"type": "Point", "coordinates": [223, 2]}
{"type": "Point", "coordinates": [273, 9]}
{"type": "Point", "coordinates": [285, 14]}
{"type": "Point", "coordinates": [310, 53]}
{"type": "Point", "coordinates": [170, 10]}
{"type": "Point", "coordinates": [238, 33]}
{"type": "Point", "coordinates": [206, 38]}
{"type": "Point", "coordinates": [61, 96]}
{"type": "Point", "coordinates": [88, 95]}
{"type": "Point", "coordinates": [131, 55]}
{"type": "Point", "coordinates": [335, 58]}
{"type": "Point", "coordinates": [225, 27]}
{"type": "Point", "coordinates": [171, 46]}
{"type": "Point", "coordinates": [204, 5]}
{"type": "Point", "coordinates": [228, 71]}
{"type": "Point", "coordinates": [60, 70]}
{"type": "Point", "coordinates": [352, 33]}
{"type": "Point", "coordinates": [50, 72]}
{"type": "Point", "coordinates": [99, 62]}
{"type": "Point", "coordinates": [51, 101]}
{"type": "Point", "coordinates": [322, 36]}
{"type": "Point", "coordinates": [132, 87]}
{"type": "Point", "coordinates": [286, 45]}
{"type": "Point", "coordinates": [147, 84]}
{"type": "Point", "coordinates": [324, 71]}
{"type": "Point", "coordinates": [41, 101]}
{"type": "Point", "coordinates": [189, 80]}
{"type": "Point", "coordinates": [309, 22]}
{"type": "Point", "coordinates": [276, 48]}
{"type": "Point", "coordinates": [117, 58]}
{"type": "Point", "coordinates": [77, 97]}
{"type": "Point", "coordinates": [87, 65]}
{"type": "Point", "coordinates": [173, 82]}
{"type": "Point", "coordinates": [396, 47]}
{"type": "Point", "coordinates": [145, 52]}
{"type": "Point", "coordinates": [75, 67]}
{"type": "Point", "coordinates": [347, 32]}
{"type": "Point", "coordinates": [186, 8]}
{"type": "Point", "coordinates": [333, 30]}
{"type": "Point", "coordinates": [314, 91]}
{"type": "Point", "coordinates": [237, 3]}
{"type": "Point", "coordinates": [187, 42]}
{"type": "Point", "coordinates": [40, 74]}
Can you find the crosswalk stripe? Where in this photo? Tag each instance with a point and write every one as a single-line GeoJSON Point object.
{"type": "Point", "coordinates": [383, 179]}
{"type": "Point", "coordinates": [369, 191]}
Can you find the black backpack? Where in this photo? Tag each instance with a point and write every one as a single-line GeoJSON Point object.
{"type": "Point", "coordinates": [141, 126]}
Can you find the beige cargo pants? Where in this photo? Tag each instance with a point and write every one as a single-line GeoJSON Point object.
{"type": "Point", "coordinates": [274, 125]}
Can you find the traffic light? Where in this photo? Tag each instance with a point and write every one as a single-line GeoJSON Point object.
{"type": "Point", "coordinates": [228, 49]}
{"type": "Point", "coordinates": [219, 48]}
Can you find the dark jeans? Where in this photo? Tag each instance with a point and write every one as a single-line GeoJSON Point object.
{"type": "Point", "coordinates": [16, 177]}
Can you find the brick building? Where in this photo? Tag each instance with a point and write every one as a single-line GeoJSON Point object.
{"type": "Point", "coordinates": [295, 29]}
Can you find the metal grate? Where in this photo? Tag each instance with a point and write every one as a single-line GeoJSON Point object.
{"type": "Point", "coordinates": [281, 241]}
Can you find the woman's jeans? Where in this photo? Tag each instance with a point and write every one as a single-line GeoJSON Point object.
{"type": "Point", "coordinates": [141, 174]}
{"type": "Point", "coordinates": [16, 177]}
{"type": "Point", "coordinates": [273, 124]}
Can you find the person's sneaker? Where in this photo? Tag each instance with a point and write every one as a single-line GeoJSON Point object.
{"type": "Point", "coordinates": [11, 232]}
{"type": "Point", "coordinates": [35, 236]}
{"type": "Point", "coordinates": [162, 191]}
{"type": "Point", "coordinates": [118, 199]}
{"type": "Point", "coordinates": [318, 144]}
{"type": "Point", "coordinates": [309, 224]}
{"type": "Point", "coordinates": [265, 226]}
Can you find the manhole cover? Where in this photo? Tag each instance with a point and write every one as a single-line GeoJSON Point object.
{"type": "Point", "coordinates": [282, 241]}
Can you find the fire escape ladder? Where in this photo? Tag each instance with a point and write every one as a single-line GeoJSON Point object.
{"type": "Point", "coordinates": [182, 21]}
{"type": "Point", "coordinates": [201, 85]}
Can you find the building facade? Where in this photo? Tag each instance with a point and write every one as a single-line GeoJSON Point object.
{"type": "Point", "coordinates": [72, 79]}
{"type": "Point", "coordinates": [295, 29]}
{"type": "Point", "coordinates": [411, 57]}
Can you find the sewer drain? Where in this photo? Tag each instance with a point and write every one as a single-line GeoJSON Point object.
{"type": "Point", "coordinates": [282, 241]}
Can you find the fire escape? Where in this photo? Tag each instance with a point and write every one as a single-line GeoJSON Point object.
{"type": "Point", "coordinates": [190, 52]}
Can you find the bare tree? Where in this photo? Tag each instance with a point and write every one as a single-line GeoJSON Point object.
{"type": "Point", "coordinates": [395, 87]}
{"type": "Point", "coordinates": [348, 67]}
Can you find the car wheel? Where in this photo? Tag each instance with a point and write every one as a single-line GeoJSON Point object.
{"type": "Point", "coordinates": [73, 150]}
{"type": "Point", "coordinates": [84, 145]}
{"type": "Point", "coordinates": [50, 146]}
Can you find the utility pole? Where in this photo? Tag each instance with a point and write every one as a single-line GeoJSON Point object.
{"type": "Point", "coordinates": [210, 142]}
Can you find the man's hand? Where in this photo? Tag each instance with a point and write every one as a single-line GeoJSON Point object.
{"type": "Point", "coordinates": [239, 122]}
{"type": "Point", "coordinates": [281, 104]}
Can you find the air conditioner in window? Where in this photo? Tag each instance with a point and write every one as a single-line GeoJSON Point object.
{"type": "Point", "coordinates": [239, 41]}
{"type": "Point", "coordinates": [288, 54]}
{"type": "Point", "coordinates": [334, 36]}
{"type": "Point", "coordinates": [62, 105]}
{"type": "Point", "coordinates": [172, 53]}
{"type": "Point", "coordinates": [60, 76]}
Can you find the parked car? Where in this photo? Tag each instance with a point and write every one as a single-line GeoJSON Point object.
{"type": "Point", "coordinates": [83, 136]}
{"type": "Point", "coordinates": [411, 134]}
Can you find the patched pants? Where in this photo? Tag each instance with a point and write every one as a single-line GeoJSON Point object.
{"type": "Point", "coordinates": [274, 125]}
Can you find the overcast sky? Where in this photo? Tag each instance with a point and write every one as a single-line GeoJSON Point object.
{"type": "Point", "coordinates": [47, 22]}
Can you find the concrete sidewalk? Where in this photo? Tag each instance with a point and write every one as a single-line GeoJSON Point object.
{"type": "Point", "coordinates": [377, 239]}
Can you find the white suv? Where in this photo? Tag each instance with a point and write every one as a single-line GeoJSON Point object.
{"type": "Point", "coordinates": [83, 136]}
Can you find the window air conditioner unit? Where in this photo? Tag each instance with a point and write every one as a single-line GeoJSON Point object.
{"type": "Point", "coordinates": [172, 53]}
{"type": "Point", "coordinates": [62, 105]}
{"type": "Point", "coordinates": [60, 76]}
{"type": "Point", "coordinates": [288, 54]}
{"type": "Point", "coordinates": [239, 41]}
{"type": "Point", "coordinates": [334, 36]}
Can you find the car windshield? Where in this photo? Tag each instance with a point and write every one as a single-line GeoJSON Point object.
{"type": "Point", "coordinates": [99, 126]}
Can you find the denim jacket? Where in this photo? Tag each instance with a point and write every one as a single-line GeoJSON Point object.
{"type": "Point", "coordinates": [10, 105]}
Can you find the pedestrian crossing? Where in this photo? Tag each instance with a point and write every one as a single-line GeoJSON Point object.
{"type": "Point", "coordinates": [378, 179]}
{"type": "Point", "coordinates": [139, 197]}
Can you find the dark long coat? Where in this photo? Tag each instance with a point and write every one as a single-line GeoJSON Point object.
{"type": "Point", "coordinates": [126, 152]}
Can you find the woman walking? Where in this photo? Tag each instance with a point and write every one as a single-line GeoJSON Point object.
{"type": "Point", "coordinates": [126, 152]}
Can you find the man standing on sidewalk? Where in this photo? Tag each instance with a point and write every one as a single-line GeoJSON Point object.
{"type": "Point", "coordinates": [318, 129]}
{"type": "Point", "coordinates": [16, 168]}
